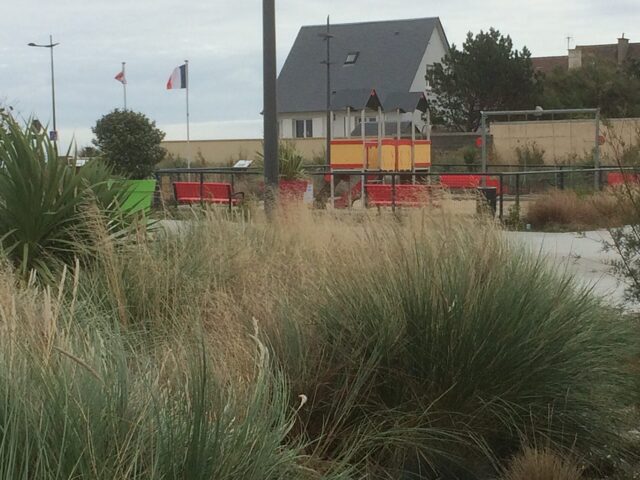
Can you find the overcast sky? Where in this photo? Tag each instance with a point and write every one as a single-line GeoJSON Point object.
{"type": "Point", "coordinates": [222, 40]}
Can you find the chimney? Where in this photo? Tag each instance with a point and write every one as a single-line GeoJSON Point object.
{"type": "Point", "coordinates": [575, 58]}
{"type": "Point", "coordinates": [623, 49]}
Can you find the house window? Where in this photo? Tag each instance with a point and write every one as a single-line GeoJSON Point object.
{"type": "Point", "coordinates": [352, 57]}
{"type": "Point", "coordinates": [304, 128]}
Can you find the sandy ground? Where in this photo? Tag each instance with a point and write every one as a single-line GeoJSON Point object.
{"type": "Point", "coordinates": [583, 255]}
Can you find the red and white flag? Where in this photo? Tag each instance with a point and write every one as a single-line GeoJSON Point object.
{"type": "Point", "coordinates": [121, 77]}
{"type": "Point", "coordinates": [178, 78]}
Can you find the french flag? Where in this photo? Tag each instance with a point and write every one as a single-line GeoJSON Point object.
{"type": "Point", "coordinates": [178, 78]}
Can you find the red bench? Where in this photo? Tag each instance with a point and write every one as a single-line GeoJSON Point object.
{"type": "Point", "coordinates": [619, 178]}
{"type": "Point", "coordinates": [209, 192]}
{"type": "Point", "coordinates": [468, 182]}
{"type": "Point", "coordinates": [380, 195]}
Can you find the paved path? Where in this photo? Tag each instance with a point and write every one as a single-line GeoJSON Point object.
{"type": "Point", "coordinates": [583, 255]}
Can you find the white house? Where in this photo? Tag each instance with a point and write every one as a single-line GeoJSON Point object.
{"type": "Point", "coordinates": [390, 57]}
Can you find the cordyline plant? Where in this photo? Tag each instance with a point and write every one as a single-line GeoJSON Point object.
{"type": "Point", "coordinates": [290, 161]}
{"type": "Point", "coordinates": [44, 201]}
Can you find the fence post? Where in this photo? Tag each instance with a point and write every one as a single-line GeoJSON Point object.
{"type": "Point", "coordinates": [600, 179]}
{"type": "Point", "coordinates": [201, 189]}
{"type": "Point", "coordinates": [393, 192]}
{"type": "Point", "coordinates": [501, 196]}
{"type": "Point", "coordinates": [596, 152]}
{"type": "Point", "coordinates": [561, 178]}
{"type": "Point", "coordinates": [333, 189]}
{"type": "Point", "coordinates": [518, 190]}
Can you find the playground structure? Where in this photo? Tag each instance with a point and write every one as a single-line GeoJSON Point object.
{"type": "Point", "coordinates": [371, 156]}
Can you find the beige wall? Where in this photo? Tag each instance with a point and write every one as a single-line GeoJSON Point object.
{"type": "Point", "coordinates": [224, 152]}
{"type": "Point", "coordinates": [562, 139]}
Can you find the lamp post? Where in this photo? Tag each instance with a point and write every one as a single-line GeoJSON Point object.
{"type": "Point", "coordinates": [327, 37]}
{"type": "Point", "coordinates": [54, 134]}
{"type": "Point", "coordinates": [270, 105]}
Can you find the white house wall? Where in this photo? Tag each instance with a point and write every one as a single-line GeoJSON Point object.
{"type": "Point", "coordinates": [319, 122]}
{"type": "Point", "coordinates": [286, 123]}
{"type": "Point", "coordinates": [435, 52]}
{"type": "Point", "coordinates": [340, 122]}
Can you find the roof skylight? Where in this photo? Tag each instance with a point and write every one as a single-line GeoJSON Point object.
{"type": "Point", "coordinates": [352, 58]}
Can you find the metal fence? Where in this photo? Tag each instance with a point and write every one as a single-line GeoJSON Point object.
{"type": "Point", "coordinates": [515, 167]}
{"type": "Point", "coordinates": [330, 185]}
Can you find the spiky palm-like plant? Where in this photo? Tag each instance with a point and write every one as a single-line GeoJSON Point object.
{"type": "Point", "coordinates": [42, 200]}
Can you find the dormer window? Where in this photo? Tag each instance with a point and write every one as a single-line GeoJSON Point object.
{"type": "Point", "coordinates": [352, 58]}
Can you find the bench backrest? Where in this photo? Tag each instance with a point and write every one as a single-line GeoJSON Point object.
{"type": "Point", "coordinates": [468, 181]}
{"type": "Point", "coordinates": [379, 193]}
{"type": "Point", "coordinates": [412, 193]}
{"type": "Point", "coordinates": [619, 178]}
{"type": "Point", "coordinates": [186, 190]}
{"type": "Point", "coordinates": [460, 181]}
{"type": "Point", "coordinates": [209, 190]}
{"type": "Point", "coordinates": [216, 191]}
{"type": "Point", "coordinates": [404, 193]}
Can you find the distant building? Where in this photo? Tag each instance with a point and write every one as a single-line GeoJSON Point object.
{"type": "Point", "coordinates": [581, 55]}
{"type": "Point", "coordinates": [390, 57]}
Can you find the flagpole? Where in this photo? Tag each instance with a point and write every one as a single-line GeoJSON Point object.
{"type": "Point", "coordinates": [186, 68]}
{"type": "Point", "coordinates": [124, 84]}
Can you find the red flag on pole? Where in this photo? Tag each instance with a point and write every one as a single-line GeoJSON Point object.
{"type": "Point", "coordinates": [121, 78]}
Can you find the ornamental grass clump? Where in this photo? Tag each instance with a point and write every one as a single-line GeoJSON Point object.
{"type": "Point", "coordinates": [542, 464]}
{"type": "Point", "coordinates": [569, 211]}
{"type": "Point", "coordinates": [80, 398]}
{"type": "Point", "coordinates": [442, 348]}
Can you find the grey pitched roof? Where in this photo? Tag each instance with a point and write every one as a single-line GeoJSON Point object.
{"type": "Point", "coordinates": [389, 57]}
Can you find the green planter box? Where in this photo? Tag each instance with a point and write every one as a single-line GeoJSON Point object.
{"type": "Point", "coordinates": [141, 195]}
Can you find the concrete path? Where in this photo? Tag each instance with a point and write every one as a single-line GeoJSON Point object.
{"type": "Point", "coordinates": [583, 255]}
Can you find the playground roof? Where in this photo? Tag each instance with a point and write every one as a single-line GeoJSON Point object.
{"type": "Point", "coordinates": [405, 101]}
{"type": "Point", "coordinates": [384, 56]}
{"type": "Point", "coordinates": [358, 99]}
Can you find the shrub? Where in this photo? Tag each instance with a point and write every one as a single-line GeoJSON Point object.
{"type": "Point", "coordinates": [43, 201]}
{"type": "Point", "coordinates": [129, 142]}
{"type": "Point", "coordinates": [471, 157]}
{"type": "Point", "coordinates": [566, 210]}
{"type": "Point", "coordinates": [626, 238]}
{"type": "Point", "coordinates": [530, 154]}
{"type": "Point", "coordinates": [447, 347]}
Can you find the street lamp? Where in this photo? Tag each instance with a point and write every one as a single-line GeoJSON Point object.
{"type": "Point", "coordinates": [327, 37]}
{"type": "Point", "coordinates": [270, 104]}
{"type": "Point", "coordinates": [54, 134]}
